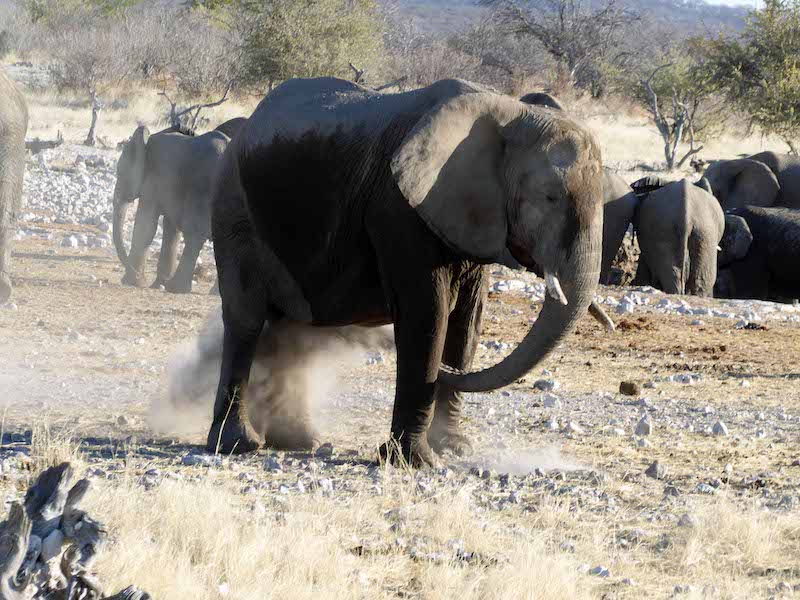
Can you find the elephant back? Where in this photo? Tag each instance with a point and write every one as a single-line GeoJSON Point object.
{"type": "Point", "coordinates": [646, 185]}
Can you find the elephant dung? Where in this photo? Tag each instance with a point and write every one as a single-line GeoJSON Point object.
{"type": "Point", "coordinates": [629, 388]}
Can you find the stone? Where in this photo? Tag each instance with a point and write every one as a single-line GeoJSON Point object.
{"type": "Point", "coordinates": [704, 488]}
{"type": "Point", "coordinates": [574, 428]}
{"type": "Point", "coordinates": [629, 388]}
{"type": "Point", "coordinates": [687, 520]}
{"type": "Point", "coordinates": [656, 471]}
{"type": "Point", "coordinates": [644, 426]}
{"type": "Point", "coordinates": [719, 429]}
{"type": "Point", "coordinates": [324, 451]}
{"type": "Point", "coordinates": [644, 443]}
{"type": "Point", "coordinates": [553, 424]}
{"type": "Point", "coordinates": [629, 581]}
{"type": "Point", "coordinates": [672, 491]}
{"type": "Point", "coordinates": [546, 385]}
{"type": "Point", "coordinates": [69, 241]}
{"type": "Point", "coordinates": [552, 401]}
{"type": "Point", "coordinates": [600, 571]}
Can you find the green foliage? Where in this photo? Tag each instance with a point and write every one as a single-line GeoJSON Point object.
{"type": "Point", "coordinates": [760, 70]}
{"type": "Point", "coordinates": [305, 38]}
{"type": "Point", "coordinates": [42, 10]}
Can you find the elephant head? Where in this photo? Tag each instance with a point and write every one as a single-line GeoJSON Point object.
{"type": "Point", "coordinates": [704, 184]}
{"type": "Point", "coordinates": [486, 173]}
{"type": "Point", "coordinates": [735, 241]}
{"type": "Point", "coordinates": [742, 182]}
{"type": "Point", "coordinates": [130, 178]}
{"type": "Point", "coordinates": [542, 99]}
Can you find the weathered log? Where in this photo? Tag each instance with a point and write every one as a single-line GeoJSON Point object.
{"type": "Point", "coordinates": [36, 145]}
{"type": "Point", "coordinates": [34, 535]}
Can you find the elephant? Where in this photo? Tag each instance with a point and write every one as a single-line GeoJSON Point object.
{"type": "Point", "coordinates": [231, 127]}
{"type": "Point", "coordinates": [760, 254]}
{"type": "Point", "coordinates": [679, 226]}
{"type": "Point", "coordinates": [170, 172]}
{"type": "Point", "coordinates": [764, 179]}
{"type": "Point", "coordinates": [542, 99]}
{"type": "Point", "coordinates": [339, 205]}
{"type": "Point", "coordinates": [13, 127]}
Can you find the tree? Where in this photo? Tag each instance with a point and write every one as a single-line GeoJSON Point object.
{"type": "Point", "coordinates": [281, 39]}
{"type": "Point", "coordinates": [683, 102]}
{"type": "Point", "coordinates": [580, 36]}
{"type": "Point", "coordinates": [760, 70]}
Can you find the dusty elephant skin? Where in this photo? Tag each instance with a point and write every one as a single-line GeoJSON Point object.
{"type": "Point", "coordinates": [679, 226]}
{"type": "Point", "coordinates": [231, 127]}
{"type": "Point", "coordinates": [337, 205]}
{"type": "Point", "coordinates": [760, 254]}
{"type": "Point", "coordinates": [13, 126]}
{"type": "Point", "coordinates": [170, 172]}
{"type": "Point", "coordinates": [764, 179]}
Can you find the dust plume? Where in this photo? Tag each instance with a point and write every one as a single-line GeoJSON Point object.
{"type": "Point", "coordinates": [522, 461]}
{"type": "Point", "coordinates": [293, 374]}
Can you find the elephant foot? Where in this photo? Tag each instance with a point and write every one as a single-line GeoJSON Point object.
{"type": "Point", "coordinates": [134, 280]}
{"type": "Point", "coordinates": [418, 454]}
{"type": "Point", "coordinates": [178, 287]}
{"type": "Point", "coordinates": [158, 284]}
{"type": "Point", "coordinates": [291, 434]}
{"type": "Point", "coordinates": [232, 437]}
{"type": "Point", "coordinates": [450, 441]}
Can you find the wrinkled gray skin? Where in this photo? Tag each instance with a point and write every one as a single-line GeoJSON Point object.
{"type": "Point", "coordinates": [764, 179]}
{"type": "Point", "coordinates": [760, 254]}
{"type": "Point", "coordinates": [231, 127]}
{"type": "Point", "coordinates": [678, 227]}
{"type": "Point", "coordinates": [337, 205]}
{"type": "Point", "coordinates": [171, 174]}
{"type": "Point", "coordinates": [13, 126]}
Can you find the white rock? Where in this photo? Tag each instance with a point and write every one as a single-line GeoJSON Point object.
{"type": "Point", "coordinates": [720, 429]}
{"type": "Point", "coordinates": [546, 385]}
{"type": "Point", "coordinates": [69, 241]}
{"type": "Point", "coordinates": [687, 520]}
{"type": "Point", "coordinates": [552, 401]}
{"type": "Point", "coordinates": [574, 428]}
{"type": "Point", "coordinates": [644, 426]}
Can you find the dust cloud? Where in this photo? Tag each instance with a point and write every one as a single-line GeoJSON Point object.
{"type": "Point", "coordinates": [523, 461]}
{"type": "Point", "coordinates": [294, 373]}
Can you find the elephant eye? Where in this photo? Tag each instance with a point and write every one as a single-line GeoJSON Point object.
{"type": "Point", "coordinates": [551, 199]}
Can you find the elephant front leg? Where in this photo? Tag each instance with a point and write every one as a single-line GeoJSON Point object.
{"type": "Point", "coordinates": [169, 254]}
{"type": "Point", "coordinates": [420, 316]}
{"type": "Point", "coordinates": [463, 334]}
{"type": "Point", "coordinates": [144, 230]}
{"type": "Point", "coordinates": [181, 282]}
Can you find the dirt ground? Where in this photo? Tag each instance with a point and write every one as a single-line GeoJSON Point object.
{"type": "Point", "coordinates": [82, 360]}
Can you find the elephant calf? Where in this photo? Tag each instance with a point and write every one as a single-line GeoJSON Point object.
{"type": "Point", "coordinates": [13, 126]}
{"type": "Point", "coordinates": [170, 172]}
{"type": "Point", "coordinates": [679, 226]}
{"type": "Point", "coordinates": [760, 257]}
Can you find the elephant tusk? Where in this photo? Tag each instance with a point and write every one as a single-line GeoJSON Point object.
{"type": "Point", "coordinates": [719, 248]}
{"type": "Point", "coordinates": [554, 288]}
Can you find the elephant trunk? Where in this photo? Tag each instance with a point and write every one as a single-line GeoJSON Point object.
{"type": "Point", "coordinates": [556, 320]}
{"type": "Point", "coordinates": [120, 212]}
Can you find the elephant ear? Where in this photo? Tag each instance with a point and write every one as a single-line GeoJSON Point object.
{"type": "Point", "coordinates": [736, 241]}
{"type": "Point", "coordinates": [747, 182]}
{"type": "Point", "coordinates": [542, 99]}
{"type": "Point", "coordinates": [449, 168]}
{"type": "Point", "coordinates": [704, 184]}
{"type": "Point", "coordinates": [140, 136]}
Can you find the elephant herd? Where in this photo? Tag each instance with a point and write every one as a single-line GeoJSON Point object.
{"type": "Point", "coordinates": [334, 205]}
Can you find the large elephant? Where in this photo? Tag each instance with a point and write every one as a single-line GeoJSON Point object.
{"type": "Point", "coordinates": [170, 172]}
{"type": "Point", "coordinates": [339, 205]}
{"type": "Point", "coordinates": [679, 226]}
{"type": "Point", "coordinates": [764, 179]}
{"type": "Point", "coordinates": [760, 256]}
{"type": "Point", "coordinates": [13, 126]}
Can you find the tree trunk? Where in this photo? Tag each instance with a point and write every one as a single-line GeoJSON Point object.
{"type": "Point", "coordinates": [96, 107]}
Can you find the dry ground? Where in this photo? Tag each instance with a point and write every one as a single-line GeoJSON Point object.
{"type": "Point", "coordinates": [81, 362]}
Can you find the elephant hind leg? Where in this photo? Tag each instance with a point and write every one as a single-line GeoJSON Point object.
{"type": "Point", "coordinates": [181, 282]}
{"type": "Point", "coordinates": [703, 266]}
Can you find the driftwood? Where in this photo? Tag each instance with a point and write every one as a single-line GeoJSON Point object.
{"type": "Point", "coordinates": [37, 145]}
{"type": "Point", "coordinates": [33, 561]}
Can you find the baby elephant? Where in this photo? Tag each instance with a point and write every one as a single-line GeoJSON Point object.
{"type": "Point", "coordinates": [170, 172]}
{"type": "Point", "coordinates": [760, 257]}
{"type": "Point", "coordinates": [679, 226]}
